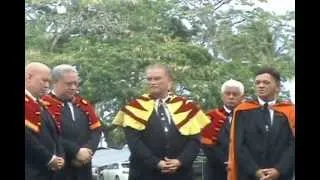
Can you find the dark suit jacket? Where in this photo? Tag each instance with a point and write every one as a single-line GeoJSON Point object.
{"type": "Point", "coordinates": [39, 149]}
{"type": "Point", "coordinates": [76, 134]}
{"type": "Point", "coordinates": [150, 146]}
{"type": "Point", "coordinates": [218, 153]}
{"type": "Point", "coordinates": [256, 149]}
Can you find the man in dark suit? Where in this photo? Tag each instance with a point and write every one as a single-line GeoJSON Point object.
{"type": "Point", "coordinates": [44, 156]}
{"type": "Point", "coordinates": [162, 130]}
{"type": "Point", "coordinates": [215, 136]}
{"type": "Point", "coordinates": [80, 126]}
{"type": "Point", "coordinates": [262, 134]}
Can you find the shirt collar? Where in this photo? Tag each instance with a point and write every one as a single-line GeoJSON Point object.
{"type": "Point", "coordinates": [53, 92]}
{"type": "Point", "coordinates": [262, 102]}
{"type": "Point", "coordinates": [226, 109]}
{"type": "Point", "coordinates": [30, 95]}
{"type": "Point", "coordinates": [164, 100]}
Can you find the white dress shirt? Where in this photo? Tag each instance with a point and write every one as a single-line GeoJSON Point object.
{"type": "Point", "coordinates": [228, 111]}
{"type": "Point", "coordinates": [70, 107]}
{"type": "Point", "coordinates": [165, 107]}
{"type": "Point", "coordinates": [261, 102]}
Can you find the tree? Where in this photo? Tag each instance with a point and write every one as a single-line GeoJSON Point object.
{"type": "Point", "coordinates": [111, 42]}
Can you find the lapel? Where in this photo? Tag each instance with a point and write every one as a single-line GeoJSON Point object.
{"type": "Point", "coordinates": [67, 114]}
{"type": "Point", "coordinates": [48, 123]}
{"type": "Point", "coordinates": [260, 122]}
{"type": "Point", "coordinates": [154, 123]}
{"type": "Point", "coordinates": [259, 118]}
{"type": "Point", "coordinates": [276, 126]}
{"type": "Point", "coordinates": [226, 124]}
{"type": "Point", "coordinates": [75, 112]}
{"type": "Point", "coordinates": [223, 111]}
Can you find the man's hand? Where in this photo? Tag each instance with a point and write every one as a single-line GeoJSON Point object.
{"type": "Point", "coordinates": [60, 162]}
{"type": "Point", "coordinates": [172, 165]}
{"type": "Point", "coordinates": [56, 164]}
{"type": "Point", "coordinates": [163, 166]}
{"type": "Point", "coordinates": [261, 173]}
{"type": "Point", "coordinates": [169, 166]}
{"type": "Point", "coordinates": [84, 155]}
{"type": "Point", "coordinates": [271, 174]}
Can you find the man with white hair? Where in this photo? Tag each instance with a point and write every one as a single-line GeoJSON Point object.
{"type": "Point", "coordinates": [215, 136]}
{"type": "Point", "coordinates": [80, 126]}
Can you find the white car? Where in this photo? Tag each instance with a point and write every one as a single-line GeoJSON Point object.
{"type": "Point", "coordinates": [116, 171]}
{"type": "Point", "coordinates": [104, 157]}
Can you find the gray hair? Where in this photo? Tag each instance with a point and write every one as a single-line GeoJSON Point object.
{"type": "Point", "coordinates": [166, 69]}
{"type": "Point", "coordinates": [233, 83]}
{"type": "Point", "coordinates": [58, 71]}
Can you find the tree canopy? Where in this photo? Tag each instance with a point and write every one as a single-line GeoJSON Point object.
{"type": "Point", "coordinates": [204, 42]}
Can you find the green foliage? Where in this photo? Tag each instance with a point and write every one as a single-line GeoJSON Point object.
{"type": "Point", "coordinates": [118, 138]}
{"type": "Point", "coordinates": [111, 42]}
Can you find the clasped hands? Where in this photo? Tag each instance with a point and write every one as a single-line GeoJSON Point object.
{"type": "Point", "coordinates": [57, 163]}
{"type": "Point", "coordinates": [268, 174]}
{"type": "Point", "coordinates": [169, 166]}
{"type": "Point", "coordinates": [83, 156]}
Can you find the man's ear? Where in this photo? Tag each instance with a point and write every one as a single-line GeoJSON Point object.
{"type": "Point", "coordinates": [28, 76]}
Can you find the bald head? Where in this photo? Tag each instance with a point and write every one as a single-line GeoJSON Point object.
{"type": "Point", "coordinates": [35, 66]}
{"type": "Point", "coordinates": [37, 78]}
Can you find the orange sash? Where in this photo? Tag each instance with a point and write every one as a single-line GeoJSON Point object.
{"type": "Point", "coordinates": [285, 108]}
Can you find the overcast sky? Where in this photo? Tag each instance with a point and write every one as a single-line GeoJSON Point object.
{"type": "Point", "coordinates": [280, 7]}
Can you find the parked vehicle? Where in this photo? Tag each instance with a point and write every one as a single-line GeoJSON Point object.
{"type": "Point", "coordinates": [104, 157]}
{"type": "Point", "coordinates": [116, 171]}
{"type": "Point", "coordinates": [113, 164]}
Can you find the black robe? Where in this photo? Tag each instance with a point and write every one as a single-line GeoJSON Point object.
{"type": "Point", "coordinates": [39, 149]}
{"type": "Point", "coordinates": [76, 134]}
{"type": "Point", "coordinates": [257, 150]}
{"type": "Point", "coordinates": [150, 146]}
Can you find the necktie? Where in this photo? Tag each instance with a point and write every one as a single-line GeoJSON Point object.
{"type": "Point", "coordinates": [163, 117]}
{"type": "Point", "coordinates": [229, 116]}
{"type": "Point", "coordinates": [68, 110]}
{"type": "Point", "coordinates": [228, 123]}
{"type": "Point", "coordinates": [267, 117]}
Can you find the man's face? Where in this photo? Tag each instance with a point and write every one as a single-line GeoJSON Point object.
{"type": "Point", "coordinates": [231, 97]}
{"type": "Point", "coordinates": [66, 87]}
{"type": "Point", "coordinates": [266, 87]}
{"type": "Point", "coordinates": [39, 82]}
{"type": "Point", "coordinates": [158, 82]}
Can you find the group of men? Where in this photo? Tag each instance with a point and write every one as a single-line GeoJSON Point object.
{"type": "Point", "coordinates": [62, 130]}
{"type": "Point", "coordinates": [251, 139]}
{"type": "Point", "coordinates": [243, 140]}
